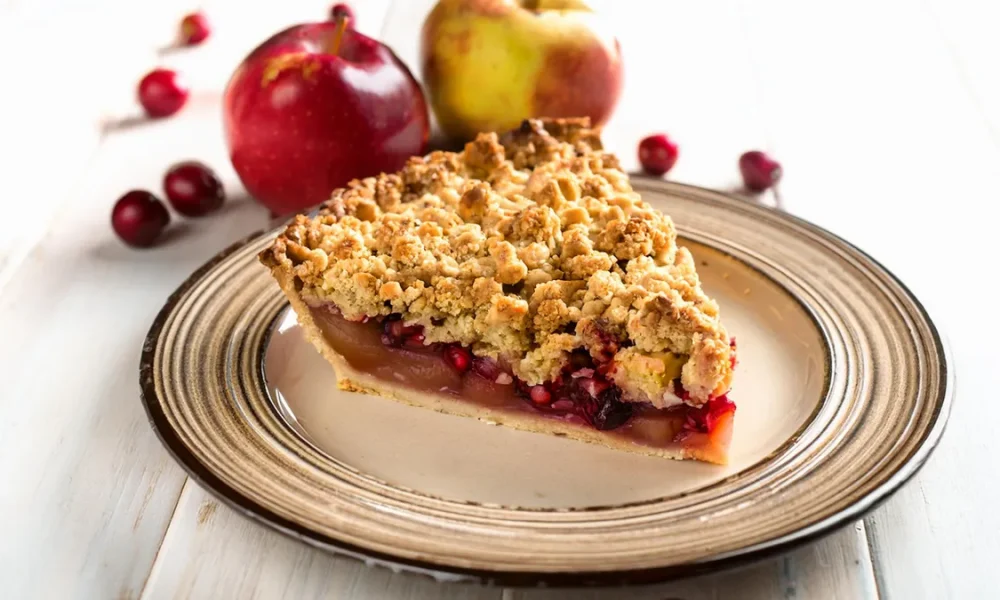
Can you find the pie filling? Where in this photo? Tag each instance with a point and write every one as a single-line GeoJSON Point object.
{"type": "Point", "coordinates": [583, 395]}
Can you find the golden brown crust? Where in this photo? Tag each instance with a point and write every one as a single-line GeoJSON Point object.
{"type": "Point", "coordinates": [523, 246]}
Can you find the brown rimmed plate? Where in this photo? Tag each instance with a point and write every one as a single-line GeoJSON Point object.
{"type": "Point", "coordinates": [842, 392]}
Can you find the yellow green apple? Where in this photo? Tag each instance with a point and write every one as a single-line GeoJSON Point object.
{"type": "Point", "coordinates": [488, 64]}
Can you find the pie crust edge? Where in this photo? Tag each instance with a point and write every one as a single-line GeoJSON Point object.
{"type": "Point", "coordinates": [353, 380]}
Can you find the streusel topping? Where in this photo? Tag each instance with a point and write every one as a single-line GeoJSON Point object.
{"type": "Point", "coordinates": [525, 247]}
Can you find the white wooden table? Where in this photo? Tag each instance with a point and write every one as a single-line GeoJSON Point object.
{"type": "Point", "coordinates": [885, 114]}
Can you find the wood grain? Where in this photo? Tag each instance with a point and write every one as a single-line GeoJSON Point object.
{"type": "Point", "coordinates": [889, 146]}
{"type": "Point", "coordinates": [212, 552]}
{"type": "Point", "coordinates": [73, 88]}
{"type": "Point", "coordinates": [86, 484]}
{"type": "Point", "coordinates": [835, 568]}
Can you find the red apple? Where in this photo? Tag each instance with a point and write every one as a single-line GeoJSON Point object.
{"type": "Point", "coordinates": [489, 64]}
{"type": "Point", "coordinates": [315, 106]}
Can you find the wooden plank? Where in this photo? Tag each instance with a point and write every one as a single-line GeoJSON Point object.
{"type": "Point", "coordinates": [88, 490]}
{"type": "Point", "coordinates": [82, 75]}
{"type": "Point", "coordinates": [214, 552]}
{"type": "Point", "coordinates": [229, 556]}
{"type": "Point", "coordinates": [833, 568]}
{"type": "Point", "coordinates": [883, 143]}
{"type": "Point", "coordinates": [966, 30]}
{"type": "Point", "coordinates": [91, 90]}
{"type": "Point", "coordinates": [926, 547]}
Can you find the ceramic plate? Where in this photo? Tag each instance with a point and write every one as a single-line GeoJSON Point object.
{"type": "Point", "coordinates": [842, 391]}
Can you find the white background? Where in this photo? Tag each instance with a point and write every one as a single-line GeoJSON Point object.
{"type": "Point", "coordinates": [885, 115]}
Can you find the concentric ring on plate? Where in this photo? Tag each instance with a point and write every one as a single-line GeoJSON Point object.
{"type": "Point", "coordinates": [884, 402]}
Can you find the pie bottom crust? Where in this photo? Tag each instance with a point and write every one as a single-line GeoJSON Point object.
{"type": "Point", "coordinates": [354, 380]}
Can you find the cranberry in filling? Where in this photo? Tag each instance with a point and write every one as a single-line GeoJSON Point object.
{"type": "Point", "coordinates": [390, 350]}
{"type": "Point", "coordinates": [583, 391]}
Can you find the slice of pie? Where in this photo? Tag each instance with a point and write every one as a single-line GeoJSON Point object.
{"type": "Point", "coordinates": [521, 282]}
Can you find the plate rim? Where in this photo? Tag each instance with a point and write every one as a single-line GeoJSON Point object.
{"type": "Point", "coordinates": [210, 482]}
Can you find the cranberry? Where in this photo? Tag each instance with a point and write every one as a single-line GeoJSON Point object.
{"type": "Point", "coordinates": [612, 412]}
{"type": "Point", "coordinates": [193, 189]}
{"type": "Point", "coordinates": [593, 386]}
{"type": "Point", "coordinates": [540, 395]}
{"type": "Point", "coordinates": [657, 154]}
{"type": "Point", "coordinates": [393, 327]}
{"type": "Point", "coordinates": [139, 218]}
{"type": "Point", "coordinates": [592, 400]}
{"type": "Point", "coordinates": [341, 11]}
{"type": "Point", "coordinates": [395, 333]}
{"type": "Point", "coordinates": [604, 410]}
{"type": "Point", "coordinates": [162, 92]}
{"type": "Point", "coordinates": [563, 405]}
{"type": "Point", "coordinates": [194, 29]}
{"type": "Point", "coordinates": [487, 368]}
{"type": "Point", "coordinates": [414, 340]}
{"type": "Point", "coordinates": [703, 418]}
{"type": "Point", "coordinates": [759, 170]}
{"type": "Point", "coordinates": [397, 329]}
{"type": "Point", "coordinates": [459, 358]}
{"type": "Point", "coordinates": [679, 390]}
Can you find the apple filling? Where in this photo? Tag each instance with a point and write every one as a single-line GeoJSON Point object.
{"type": "Point", "coordinates": [583, 395]}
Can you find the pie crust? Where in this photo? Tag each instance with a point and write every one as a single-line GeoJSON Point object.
{"type": "Point", "coordinates": [522, 248]}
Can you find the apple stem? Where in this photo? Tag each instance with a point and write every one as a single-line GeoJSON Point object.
{"type": "Point", "coordinates": [530, 4]}
{"type": "Point", "coordinates": [338, 36]}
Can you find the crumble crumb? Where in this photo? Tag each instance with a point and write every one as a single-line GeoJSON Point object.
{"type": "Point", "coordinates": [521, 246]}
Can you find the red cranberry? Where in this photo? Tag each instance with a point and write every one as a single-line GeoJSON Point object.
{"type": "Point", "coordinates": [342, 11]}
{"type": "Point", "coordinates": [563, 405]}
{"type": "Point", "coordinates": [139, 218]}
{"type": "Point", "coordinates": [397, 329]}
{"type": "Point", "coordinates": [657, 154]}
{"type": "Point", "coordinates": [194, 29]}
{"type": "Point", "coordinates": [162, 92]}
{"type": "Point", "coordinates": [414, 340]}
{"type": "Point", "coordinates": [193, 189]}
{"type": "Point", "coordinates": [540, 395]}
{"type": "Point", "coordinates": [393, 327]}
{"type": "Point", "coordinates": [593, 386]}
{"type": "Point", "coordinates": [459, 358]}
{"type": "Point", "coordinates": [487, 368]}
{"type": "Point", "coordinates": [679, 390]}
{"type": "Point", "coordinates": [759, 170]}
{"type": "Point", "coordinates": [611, 413]}
{"type": "Point", "coordinates": [704, 418]}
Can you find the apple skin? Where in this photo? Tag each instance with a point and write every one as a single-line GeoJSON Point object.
{"type": "Point", "coordinates": [489, 64]}
{"type": "Point", "coordinates": [301, 121]}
